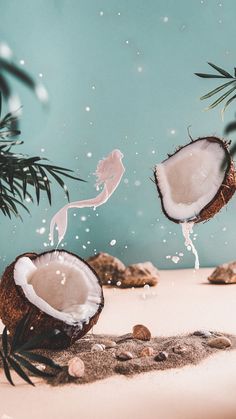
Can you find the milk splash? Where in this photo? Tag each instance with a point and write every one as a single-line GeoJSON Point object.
{"type": "Point", "coordinates": [187, 229]}
{"type": "Point", "coordinates": [109, 173]}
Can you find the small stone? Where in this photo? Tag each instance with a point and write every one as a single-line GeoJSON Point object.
{"type": "Point", "coordinates": [180, 350]}
{"type": "Point", "coordinates": [140, 274]}
{"type": "Point", "coordinates": [162, 356]}
{"type": "Point", "coordinates": [109, 344]}
{"type": "Point", "coordinates": [124, 356]}
{"type": "Point", "coordinates": [107, 267]}
{"type": "Point", "coordinates": [141, 332]}
{"type": "Point", "coordinates": [145, 352]}
{"type": "Point", "coordinates": [97, 347]}
{"type": "Point", "coordinates": [220, 342]}
{"type": "Point", "coordinates": [224, 274]}
{"type": "Point", "coordinates": [203, 333]}
{"type": "Point", "coordinates": [76, 367]}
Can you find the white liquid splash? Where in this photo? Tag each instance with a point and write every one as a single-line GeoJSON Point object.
{"type": "Point", "coordinates": [187, 229]}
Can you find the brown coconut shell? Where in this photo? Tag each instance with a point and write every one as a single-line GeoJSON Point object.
{"type": "Point", "coordinates": [14, 305]}
{"type": "Point", "coordinates": [224, 193]}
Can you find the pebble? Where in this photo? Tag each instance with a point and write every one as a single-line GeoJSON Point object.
{"type": "Point", "coordinates": [109, 344]}
{"type": "Point", "coordinates": [202, 333]}
{"type": "Point", "coordinates": [141, 332]}
{"type": "Point", "coordinates": [180, 350]}
{"type": "Point", "coordinates": [220, 342]}
{"type": "Point", "coordinates": [97, 347]}
{"type": "Point", "coordinates": [162, 356]}
{"type": "Point", "coordinates": [145, 352]}
{"type": "Point", "coordinates": [76, 367]}
{"type": "Point", "coordinates": [124, 356]}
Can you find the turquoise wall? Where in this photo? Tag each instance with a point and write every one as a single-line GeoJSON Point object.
{"type": "Point", "coordinates": [140, 55]}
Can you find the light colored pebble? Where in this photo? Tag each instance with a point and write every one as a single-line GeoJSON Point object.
{"type": "Point", "coordinates": [180, 350]}
{"type": "Point", "coordinates": [145, 352]}
{"type": "Point", "coordinates": [98, 347]}
{"type": "Point", "coordinates": [109, 344]}
{"type": "Point", "coordinates": [76, 367]}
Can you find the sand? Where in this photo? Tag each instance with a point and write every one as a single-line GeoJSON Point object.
{"type": "Point", "coordinates": [184, 302]}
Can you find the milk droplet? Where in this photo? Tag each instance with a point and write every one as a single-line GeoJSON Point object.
{"type": "Point", "coordinates": [175, 259]}
{"type": "Point", "coordinates": [113, 242]}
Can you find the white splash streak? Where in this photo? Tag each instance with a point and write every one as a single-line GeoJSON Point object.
{"type": "Point", "coordinates": [109, 173]}
{"type": "Point", "coordinates": [187, 229]}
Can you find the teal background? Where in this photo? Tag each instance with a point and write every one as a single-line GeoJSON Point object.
{"type": "Point", "coordinates": [144, 89]}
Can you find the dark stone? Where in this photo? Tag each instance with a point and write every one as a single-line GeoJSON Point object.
{"type": "Point", "coordinates": [162, 356]}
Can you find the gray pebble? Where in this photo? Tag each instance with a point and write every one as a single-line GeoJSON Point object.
{"type": "Point", "coordinates": [202, 333]}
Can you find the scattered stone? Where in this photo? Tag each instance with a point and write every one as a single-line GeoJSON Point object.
{"type": "Point", "coordinates": [139, 275]}
{"type": "Point", "coordinates": [97, 347]}
{"type": "Point", "coordinates": [141, 332]}
{"type": "Point", "coordinates": [220, 342]}
{"type": "Point", "coordinates": [107, 267]}
{"type": "Point", "coordinates": [203, 333]}
{"type": "Point", "coordinates": [148, 351]}
{"type": "Point", "coordinates": [112, 271]}
{"type": "Point", "coordinates": [162, 356]}
{"type": "Point", "coordinates": [180, 350]}
{"type": "Point", "coordinates": [124, 356]}
{"type": "Point", "coordinates": [76, 367]}
{"type": "Point", "coordinates": [109, 344]}
{"type": "Point", "coordinates": [224, 274]}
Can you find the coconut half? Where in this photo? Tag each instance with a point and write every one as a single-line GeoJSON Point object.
{"type": "Point", "coordinates": [58, 290]}
{"type": "Point", "coordinates": [197, 181]}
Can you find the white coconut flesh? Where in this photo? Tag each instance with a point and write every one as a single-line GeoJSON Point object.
{"type": "Point", "coordinates": [61, 285]}
{"type": "Point", "coordinates": [190, 179]}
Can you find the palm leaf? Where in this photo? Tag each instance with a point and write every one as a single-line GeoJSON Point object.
{"type": "Point", "coordinates": [218, 89]}
{"type": "Point", "coordinates": [4, 87]}
{"type": "Point", "coordinates": [19, 332]}
{"type": "Point", "coordinates": [221, 71]}
{"type": "Point", "coordinates": [40, 358]}
{"type": "Point", "coordinates": [18, 73]}
{"type": "Point", "coordinates": [19, 370]}
{"type": "Point", "coordinates": [228, 102]}
{"type": "Point", "coordinates": [46, 183]}
{"type": "Point", "coordinates": [221, 98]}
{"type": "Point", "coordinates": [5, 341]}
{"type": "Point", "coordinates": [209, 76]}
{"type": "Point", "coordinates": [37, 341]}
{"type": "Point", "coordinates": [6, 369]}
{"type": "Point", "coordinates": [30, 367]}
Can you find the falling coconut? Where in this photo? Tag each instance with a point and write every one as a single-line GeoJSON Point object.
{"type": "Point", "coordinates": [195, 183]}
{"type": "Point", "coordinates": [57, 289]}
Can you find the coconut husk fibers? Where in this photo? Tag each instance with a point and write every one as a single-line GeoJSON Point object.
{"type": "Point", "coordinates": [104, 364]}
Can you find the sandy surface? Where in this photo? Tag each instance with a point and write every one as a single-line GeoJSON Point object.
{"type": "Point", "coordinates": [184, 302]}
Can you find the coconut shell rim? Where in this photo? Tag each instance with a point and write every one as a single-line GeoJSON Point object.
{"type": "Point", "coordinates": [197, 219]}
{"type": "Point", "coordinates": [74, 331]}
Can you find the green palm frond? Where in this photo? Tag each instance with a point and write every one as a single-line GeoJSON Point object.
{"type": "Point", "coordinates": [20, 174]}
{"type": "Point", "coordinates": [19, 356]}
{"type": "Point", "coordinates": [8, 67]}
{"type": "Point", "coordinates": [220, 74]}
